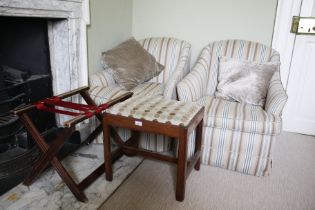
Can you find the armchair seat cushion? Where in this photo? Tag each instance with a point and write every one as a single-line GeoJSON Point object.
{"type": "Point", "coordinates": [229, 115]}
{"type": "Point", "coordinates": [102, 94]}
{"type": "Point", "coordinates": [149, 88]}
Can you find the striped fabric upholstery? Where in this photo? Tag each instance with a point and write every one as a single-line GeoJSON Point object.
{"type": "Point", "coordinates": [101, 79]}
{"type": "Point", "coordinates": [101, 94]}
{"type": "Point", "coordinates": [194, 85]}
{"type": "Point", "coordinates": [149, 88]}
{"type": "Point", "coordinates": [239, 151]}
{"type": "Point", "coordinates": [171, 53]}
{"type": "Point", "coordinates": [225, 149]}
{"type": "Point", "coordinates": [235, 116]}
{"type": "Point", "coordinates": [174, 54]}
{"type": "Point", "coordinates": [236, 136]}
{"type": "Point", "coordinates": [276, 97]}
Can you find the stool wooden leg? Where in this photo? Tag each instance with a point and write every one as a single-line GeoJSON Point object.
{"type": "Point", "coordinates": [198, 143]}
{"type": "Point", "coordinates": [181, 165]}
{"type": "Point", "coordinates": [107, 152]}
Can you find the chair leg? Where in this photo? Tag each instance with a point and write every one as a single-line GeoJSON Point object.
{"type": "Point", "coordinates": [198, 143]}
{"type": "Point", "coordinates": [107, 152]}
{"type": "Point", "coordinates": [181, 166]}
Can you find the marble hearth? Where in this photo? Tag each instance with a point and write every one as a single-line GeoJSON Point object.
{"type": "Point", "coordinates": [67, 20]}
{"type": "Point", "coordinates": [49, 192]}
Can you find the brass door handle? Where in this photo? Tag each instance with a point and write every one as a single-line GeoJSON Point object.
{"type": "Point", "coordinates": [303, 25]}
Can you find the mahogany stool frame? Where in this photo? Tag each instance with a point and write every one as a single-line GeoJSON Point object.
{"type": "Point", "coordinates": [50, 151]}
{"type": "Point", "coordinates": [130, 147]}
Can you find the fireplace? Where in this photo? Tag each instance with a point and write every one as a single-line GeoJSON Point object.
{"type": "Point", "coordinates": [25, 77]}
{"type": "Point", "coordinates": [42, 53]}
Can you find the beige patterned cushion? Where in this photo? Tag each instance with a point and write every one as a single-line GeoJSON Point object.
{"type": "Point", "coordinates": [130, 64]}
{"type": "Point", "coordinates": [156, 109]}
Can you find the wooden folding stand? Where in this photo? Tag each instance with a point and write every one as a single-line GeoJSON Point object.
{"type": "Point", "coordinates": [50, 150]}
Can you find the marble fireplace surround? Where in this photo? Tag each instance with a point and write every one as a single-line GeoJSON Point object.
{"type": "Point", "coordinates": [67, 20]}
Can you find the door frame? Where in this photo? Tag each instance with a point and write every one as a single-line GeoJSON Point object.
{"type": "Point", "coordinates": [283, 41]}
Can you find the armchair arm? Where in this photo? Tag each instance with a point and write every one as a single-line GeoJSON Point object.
{"type": "Point", "coordinates": [180, 71]}
{"type": "Point", "coordinates": [276, 96]}
{"type": "Point", "coordinates": [194, 85]}
{"type": "Point", "coordinates": [101, 79]}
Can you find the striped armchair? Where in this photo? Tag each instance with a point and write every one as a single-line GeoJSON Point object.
{"type": "Point", "coordinates": [236, 136]}
{"type": "Point", "coordinates": [174, 55]}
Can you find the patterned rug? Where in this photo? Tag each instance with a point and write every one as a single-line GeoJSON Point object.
{"type": "Point", "coordinates": [49, 191]}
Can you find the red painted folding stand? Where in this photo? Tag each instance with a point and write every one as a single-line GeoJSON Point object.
{"type": "Point", "coordinates": [80, 113]}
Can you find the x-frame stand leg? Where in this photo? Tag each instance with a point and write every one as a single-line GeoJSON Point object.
{"type": "Point", "coordinates": [40, 166]}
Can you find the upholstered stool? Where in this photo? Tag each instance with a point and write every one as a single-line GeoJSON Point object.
{"type": "Point", "coordinates": [159, 116]}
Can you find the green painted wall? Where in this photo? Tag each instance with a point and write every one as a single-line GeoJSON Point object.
{"type": "Point", "coordinates": [111, 22]}
{"type": "Point", "coordinates": [203, 21]}
{"type": "Point", "coordinates": [197, 21]}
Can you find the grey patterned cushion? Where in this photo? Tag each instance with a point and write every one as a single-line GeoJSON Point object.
{"type": "Point", "coordinates": [244, 81]}
{"type": "Point", "coordinates": [130, 64]}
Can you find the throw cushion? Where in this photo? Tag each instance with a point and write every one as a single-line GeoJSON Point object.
{"type": "Point", "coordinates": [244, 81]}
{"type": "Point", "coordinates": [130, 64]}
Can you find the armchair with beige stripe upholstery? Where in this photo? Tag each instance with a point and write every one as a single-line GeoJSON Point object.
{"type": "Point", "coordinates": [236, 136]}
{"type": "Point", "coordinates": [174, 55]}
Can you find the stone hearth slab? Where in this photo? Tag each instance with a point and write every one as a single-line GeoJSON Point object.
{"type": "Point", "coordinates": [50, 192]}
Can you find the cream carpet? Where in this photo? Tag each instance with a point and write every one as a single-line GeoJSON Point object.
{"type": "Point", "coordinates": [291, 184]}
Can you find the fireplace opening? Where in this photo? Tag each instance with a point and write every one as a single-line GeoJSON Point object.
{"type": "Point", "coordinates": [25, 77]}
{"type": "Point", "coordinates": [25, 63]}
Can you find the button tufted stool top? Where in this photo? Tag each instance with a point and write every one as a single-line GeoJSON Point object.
{"type": "Point", "coordinates": [157, 109]}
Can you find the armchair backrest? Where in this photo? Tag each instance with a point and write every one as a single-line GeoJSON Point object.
{"type": "Point", "coordinates": [241, 49]}
{"type": "Point", "coordinates": [168, 52]}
